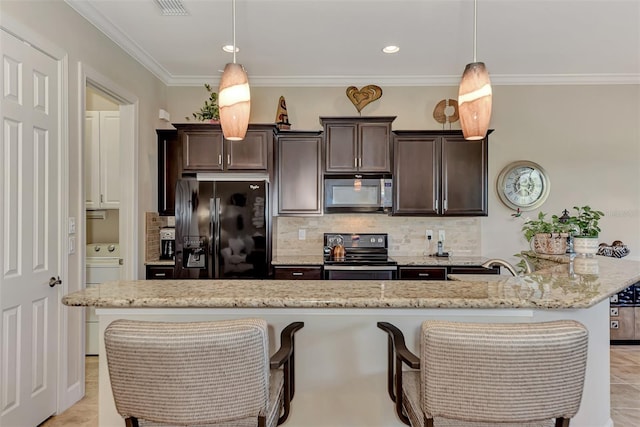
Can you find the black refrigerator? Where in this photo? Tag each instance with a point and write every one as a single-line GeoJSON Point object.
{"type": "Point", "coordinates": [222, 229]}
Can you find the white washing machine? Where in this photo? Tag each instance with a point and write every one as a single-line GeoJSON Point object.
{"type": "Point", "coordinates": [102, 265]}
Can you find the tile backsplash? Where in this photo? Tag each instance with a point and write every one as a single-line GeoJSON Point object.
{"type": "Point", "coordinates": [153, 224]}
{"type": "Point", "coordinates": [407, 235]}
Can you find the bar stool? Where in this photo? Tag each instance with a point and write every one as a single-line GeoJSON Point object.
{"type": "Point", "coordinates": [475, 374]}
{"type": "Point", "coordinates": [194, 373]}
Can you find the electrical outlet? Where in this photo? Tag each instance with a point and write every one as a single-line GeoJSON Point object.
{"type": "Point", "coordinates": [302, 234]}
{"type": "Point", "coordinates": [429, 234]}
{"type": "Point", "coordinates": [441, 235]}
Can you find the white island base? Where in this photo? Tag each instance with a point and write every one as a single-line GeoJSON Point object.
{"type": "Point", "coordinates": [341, 357]}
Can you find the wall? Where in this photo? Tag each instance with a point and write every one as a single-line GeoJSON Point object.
{"type": "Point", "coordinates": [587, 138]}
{"type": "Point", "coordinates": [104, 230]}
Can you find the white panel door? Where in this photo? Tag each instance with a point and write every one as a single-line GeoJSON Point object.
{"type": "Point", "coordinates": [92, 159]}
{"type": "Point", "coordinates": [29, 233]}
{"type": "Point", "coordinates": [110, 159]}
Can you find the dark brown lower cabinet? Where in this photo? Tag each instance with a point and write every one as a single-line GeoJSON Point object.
{"type": "Point", "coordinates": [422, 273]}
{"type": "Point", "coordinates": [441, 273]}
{"type": "Point", "coordinates": [298, 272]}
{"type": "Point", "coordinates": [159, 272]}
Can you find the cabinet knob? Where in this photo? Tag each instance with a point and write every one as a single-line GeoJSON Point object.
{"type": "Point", "coordinates": [219, 159]}
{"type": "Point", "coordinates": [297, 273]}
{"type": "Point", "coordinates": [228, 159]}
{"type": "Point", "coordinates": [423, 274]}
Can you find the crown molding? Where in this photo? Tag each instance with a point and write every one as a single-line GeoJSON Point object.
{"type": "Point", "coordinates": [496, 80]}
{"type": "Point", "coordinates": [91, 14]}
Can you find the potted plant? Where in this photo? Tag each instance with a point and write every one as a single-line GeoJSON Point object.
{"type": "Point", "coordinates": [210, 110]}
{"type": "Point", "coordinates": [585, 229]}
{"type": "Point", "coordinates": [546, 236]}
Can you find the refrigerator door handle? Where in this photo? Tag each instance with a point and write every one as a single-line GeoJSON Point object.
{"type": "Point", "coordinates": [214, 209]}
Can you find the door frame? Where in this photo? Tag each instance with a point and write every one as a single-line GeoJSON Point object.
{"type": "Point", "coordinates": [66, 394]}
{"type": "Point", "coordinates": [128, 216]}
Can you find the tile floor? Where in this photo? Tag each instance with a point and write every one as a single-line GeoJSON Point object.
{"type": "Point", "coordinates": [625, 392]}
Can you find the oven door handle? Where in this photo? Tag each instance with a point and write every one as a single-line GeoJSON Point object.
{"type": "Point", "coordinates": [360, 267]}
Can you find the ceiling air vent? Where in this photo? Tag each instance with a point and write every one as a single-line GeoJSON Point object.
{"type": "Point", "coordinates": [172, 7]}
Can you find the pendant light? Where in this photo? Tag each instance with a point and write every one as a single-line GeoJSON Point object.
{"type": "Point", "coordinates": [474, 93]}
{"type": "Point", "coordinates": [234, 97]}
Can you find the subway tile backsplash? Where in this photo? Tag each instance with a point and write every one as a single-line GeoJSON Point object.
{"type": "Point", "coordinates": [407, 235]}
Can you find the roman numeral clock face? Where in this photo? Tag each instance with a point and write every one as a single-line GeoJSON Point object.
{"type": "Point", "coordinates": [523, 185]}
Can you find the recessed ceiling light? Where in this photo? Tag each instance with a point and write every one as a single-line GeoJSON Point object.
{"type": "Point", "coordinates": [229, 48]}
{"type": "Point", "coordinates": [391, 49]}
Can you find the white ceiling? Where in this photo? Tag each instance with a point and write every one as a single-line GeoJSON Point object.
{"type": "Point", "coordinates": [339, 42]}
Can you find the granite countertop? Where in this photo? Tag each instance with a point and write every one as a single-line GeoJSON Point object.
{"type": "Point", "coordinates": [429, 261]}
{"type": "Point", "coordinates": [298, 260]}
{"type": "Point", "coordinates": [161, 262]}
{"type": "Point", "coordinates": [580, 284]}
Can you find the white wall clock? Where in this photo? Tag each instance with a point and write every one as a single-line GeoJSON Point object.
{"type": "Point", "coordinates": [523, 185]}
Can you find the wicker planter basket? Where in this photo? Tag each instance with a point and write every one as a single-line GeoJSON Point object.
{"type": "Point", "coordinates": [550, 243]}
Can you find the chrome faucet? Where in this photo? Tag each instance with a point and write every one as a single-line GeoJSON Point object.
{"type": "Point", "coordinates": [493, 262]}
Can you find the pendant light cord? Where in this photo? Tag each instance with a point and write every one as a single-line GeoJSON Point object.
{"type": "Point", "coordinates": [233, 13]}
{"type": "Point", "coordinates": [475, 29]}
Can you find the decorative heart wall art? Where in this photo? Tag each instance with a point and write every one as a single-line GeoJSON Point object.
{"type": "Point", "coordinates": [363, 97]}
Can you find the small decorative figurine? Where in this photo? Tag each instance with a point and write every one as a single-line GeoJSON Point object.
{"type": "Point", "coordinates": [446, 111]}
{"type": "Point", "coordinates": [282, 118]}
{"type": "Point", "coordinates": [363, 97]}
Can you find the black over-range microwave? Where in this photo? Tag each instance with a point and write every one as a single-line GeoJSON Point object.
{"type": "Point", "coordinates": [358, 193]}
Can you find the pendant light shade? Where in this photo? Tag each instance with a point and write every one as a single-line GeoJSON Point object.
{"type": "Point", "coordinates": [474, 93]}
{"type": "Point", "coordinates": [234, 100]}
{"type": "Point", "coordinates": [234, 97]}
{"type": "Point", "coordinates": [474, 101]}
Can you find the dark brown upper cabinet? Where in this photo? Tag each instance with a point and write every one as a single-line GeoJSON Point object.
{"type": "Point", "coordinates": [205, 149]}
{"type": "Point", "coordinates": [299, 177]}
{"type": "Point", "coordinates": [439, 173]}
{"type": "Point", "coordinates": [169, 169]}
{"type": "Point", "coordinates": [357, 144]}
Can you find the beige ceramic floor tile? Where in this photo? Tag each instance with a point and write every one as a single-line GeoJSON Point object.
{"type": "Point", "coordinates": [626, 417]}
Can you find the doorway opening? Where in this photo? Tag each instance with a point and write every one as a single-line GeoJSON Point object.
{"type": "Point", "coordinates": [109, 158]}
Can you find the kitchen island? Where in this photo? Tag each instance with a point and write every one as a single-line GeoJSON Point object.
{"type": "Point", "coordinates": [340, 353]}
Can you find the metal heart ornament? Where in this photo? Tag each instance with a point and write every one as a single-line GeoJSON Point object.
{"type": "Point", "coordinates": [363, 97]}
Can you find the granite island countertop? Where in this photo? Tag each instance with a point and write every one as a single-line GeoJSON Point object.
{"type": "Point", "coordinates": [556, 287]}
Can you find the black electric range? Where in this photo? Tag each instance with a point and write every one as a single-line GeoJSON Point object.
{"type": "Point", "coordinates": [366, 257]}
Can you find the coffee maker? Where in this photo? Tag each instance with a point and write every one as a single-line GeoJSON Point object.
{"type": "Point", "coordinates": [167, 243]}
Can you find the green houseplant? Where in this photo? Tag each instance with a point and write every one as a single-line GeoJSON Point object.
{"type": "Point", "coordinates": [585, 229]}
{"type": "Point", "coordinates": [210, 110]}
{"type": "Point", "coordinates": [546, 236]}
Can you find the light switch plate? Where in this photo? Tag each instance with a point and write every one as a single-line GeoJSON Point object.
{"type": "Point", "coordinates": [441, 235]}
{"type": "Point", "coordinates": [72, 225]}
{"type": "Point", "coordinates": [302, 234]}
{"type": "Point", "coordinates": [72, 245]}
